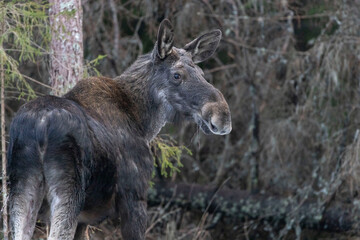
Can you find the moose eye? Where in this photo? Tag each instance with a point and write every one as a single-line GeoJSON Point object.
{"type": "Point", "coordinates": [177, 76]}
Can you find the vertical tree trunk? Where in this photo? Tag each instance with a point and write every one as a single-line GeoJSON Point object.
{"type": "Point", "coordinates": [66, 44]}
{"type": "Point", "coordinates": [253, 153]}
{"type": "Point", "coordinates": [3, 149]}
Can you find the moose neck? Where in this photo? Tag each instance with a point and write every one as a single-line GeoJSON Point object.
{"type": "Point", "coordinates": [139, 81]}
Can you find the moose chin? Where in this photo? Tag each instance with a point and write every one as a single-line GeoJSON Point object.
{"type": "Point", "coordinates": [78, 159]}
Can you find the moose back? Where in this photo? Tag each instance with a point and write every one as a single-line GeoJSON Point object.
{"type": "Point", "coordinates": [78, 159]}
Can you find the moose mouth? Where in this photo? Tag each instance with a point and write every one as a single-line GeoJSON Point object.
{"type": "Point", "coordinates": [204, 127]}
{"type": "Point", "coordinates": [202, 124]}
{"type": "Point", "coordinates": [207, 127]}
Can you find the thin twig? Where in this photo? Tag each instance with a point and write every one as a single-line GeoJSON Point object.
{"type": "Point", "coordinates": [223, 67]}
{"type": "Point", "coordinates": [40, 83]}
{"type": "Point", "coordinates": [263, 18]}
{"type": "Point", "coordinates": [205, 215]}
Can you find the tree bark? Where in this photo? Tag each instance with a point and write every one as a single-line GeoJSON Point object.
{"type": "Point", "coordinates": [66, 44]}
{"type": "Point", "coordinates": [241, 205]}
{"type": "Point", "coordinates": [3, 148]}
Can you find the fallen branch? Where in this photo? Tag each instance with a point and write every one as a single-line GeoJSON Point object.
{"type": "Point", "coordinates": [241, 205]}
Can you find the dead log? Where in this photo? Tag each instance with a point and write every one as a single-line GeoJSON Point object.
{"type": "Point", "coordinates": [241, 205]}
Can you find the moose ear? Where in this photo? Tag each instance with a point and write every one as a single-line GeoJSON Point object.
{"type": "Point", "coordinates": [165, 39]}
{"type": "Point", "coordinates": [204, 46]}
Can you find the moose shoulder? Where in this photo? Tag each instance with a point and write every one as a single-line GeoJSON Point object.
{"type": "Point", "coordinates": [83, 157]}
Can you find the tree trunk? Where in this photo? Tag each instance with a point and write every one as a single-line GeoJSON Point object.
{"type": "Point", "coordinates": [3, 148]}
{"type": "Point", "coordinates": [242, 205]}
{"type": "Point", "coordinates": [66, 44]}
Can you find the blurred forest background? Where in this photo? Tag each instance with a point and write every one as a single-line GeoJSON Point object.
{"type": "Point", "coordinates": [290, 71]}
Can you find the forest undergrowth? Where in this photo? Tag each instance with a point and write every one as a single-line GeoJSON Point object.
{"type": "Point", "coordinates": [290, 71]}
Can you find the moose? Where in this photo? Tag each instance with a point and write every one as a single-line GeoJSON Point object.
{"type": "Point", "coordinates": [81, 158]}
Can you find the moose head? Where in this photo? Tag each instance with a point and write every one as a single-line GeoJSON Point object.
{"type": "Point", "coordinates": [181, 83]}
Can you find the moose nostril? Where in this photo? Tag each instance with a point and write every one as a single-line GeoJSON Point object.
{"type": "Point", "coordinates": [213, 127]}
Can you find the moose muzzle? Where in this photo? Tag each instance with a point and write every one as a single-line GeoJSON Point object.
{"type": "Point", "coordinates": [216, 118]}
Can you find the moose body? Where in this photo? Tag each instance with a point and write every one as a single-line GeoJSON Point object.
{"type": "Point", "coordinates": [78, 159]}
